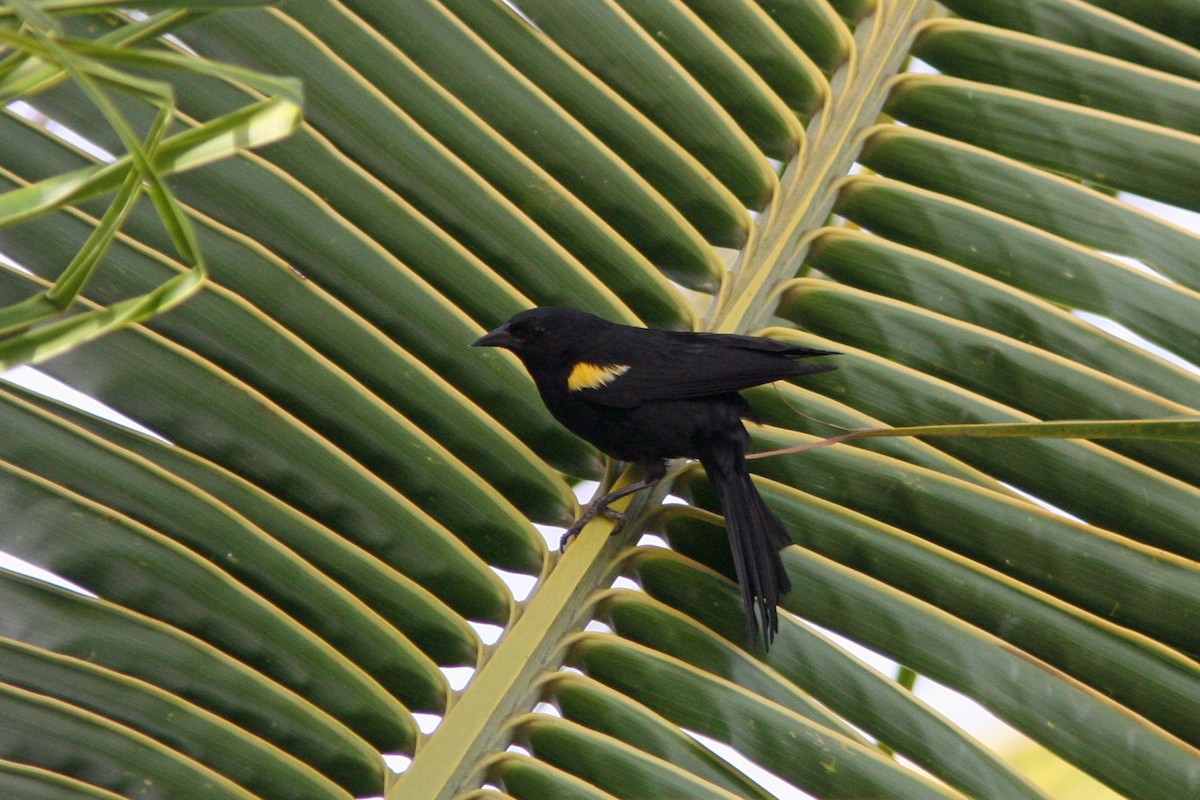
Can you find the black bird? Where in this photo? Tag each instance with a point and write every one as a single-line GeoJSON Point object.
{"type": "Point", "coordinates": [643, 395]}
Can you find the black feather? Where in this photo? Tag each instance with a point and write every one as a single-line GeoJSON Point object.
{"type": "Point", "coordinates": [755, 538]}
{"type": "Point", "coordinates": [647, 396]}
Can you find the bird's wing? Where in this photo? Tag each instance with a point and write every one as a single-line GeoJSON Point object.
{"type": "Point", "coordinates": [686, 366]}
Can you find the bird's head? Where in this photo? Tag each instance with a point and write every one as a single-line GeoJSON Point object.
{"type": "Point", "coordinates": [542, 331]}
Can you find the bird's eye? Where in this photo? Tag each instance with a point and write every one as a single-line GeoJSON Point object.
{"type": "Point", "coordinates": [527, 330]}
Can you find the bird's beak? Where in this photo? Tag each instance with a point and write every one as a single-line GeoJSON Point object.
{"type": "Point", "coordinates": [497, 338]}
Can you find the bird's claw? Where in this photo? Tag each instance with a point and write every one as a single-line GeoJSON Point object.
{"type": "Point", "coordinates": [571, 533]}
{"type": "Point", "coordinates": [590, 513]}
{"type": "Point", "coordinates": [615, 516]}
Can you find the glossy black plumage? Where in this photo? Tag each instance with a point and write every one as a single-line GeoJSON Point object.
{"type": "Point", "coordinates": [647, 396]}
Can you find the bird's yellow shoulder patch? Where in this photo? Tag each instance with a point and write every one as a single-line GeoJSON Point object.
{"type": "Point", "coordinates": [585, 375]}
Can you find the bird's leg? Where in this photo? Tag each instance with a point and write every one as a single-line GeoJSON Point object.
{"type": "Point", "coordinates": [599, 505]}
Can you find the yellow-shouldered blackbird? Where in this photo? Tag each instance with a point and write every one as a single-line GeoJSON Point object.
{"type": "Point", "coordinates": [645, 396]}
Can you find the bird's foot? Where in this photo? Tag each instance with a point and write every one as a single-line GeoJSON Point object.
{"type": "Point", "coordinates": [615, 516]}
{"type": "Point", "coordinates": [591, 512]}
{"type": "Point", "coordinates": [600, 506]}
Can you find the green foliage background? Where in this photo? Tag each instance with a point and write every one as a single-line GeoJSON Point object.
{"type": "Point", "coordinates": [278, 585]}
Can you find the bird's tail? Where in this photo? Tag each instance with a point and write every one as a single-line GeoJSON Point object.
{"type": "Point", "coordinates": [755, 537]}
